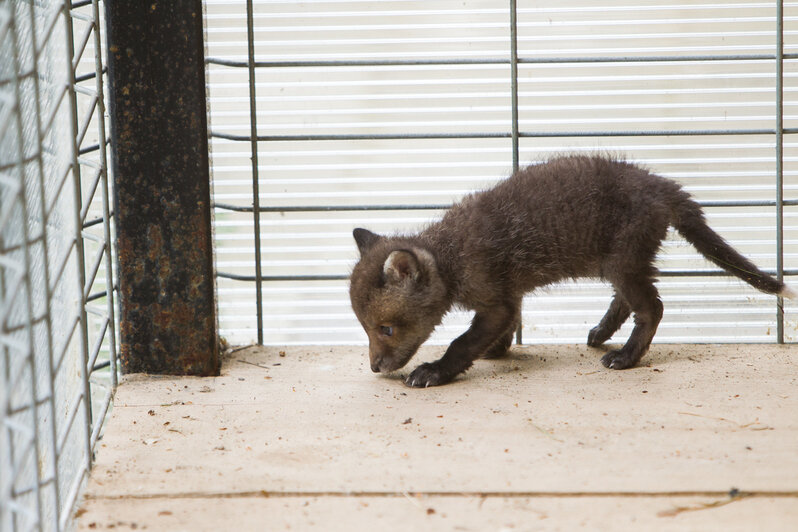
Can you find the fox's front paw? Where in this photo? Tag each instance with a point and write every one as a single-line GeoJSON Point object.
{"type": "Point", "coordinates": [619, 359]}
{"type": "Point", "coordinates": [429, 374]}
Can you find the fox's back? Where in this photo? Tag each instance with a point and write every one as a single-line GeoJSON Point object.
{"type": "Point", "coordinates": [558, 220]}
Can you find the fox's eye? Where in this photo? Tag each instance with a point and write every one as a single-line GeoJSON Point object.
{"type": "Point", "coordinates": [386, 330]}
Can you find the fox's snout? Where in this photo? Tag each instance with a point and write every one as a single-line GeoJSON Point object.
{"type": "Point", "coordinates": [385, 361]}
{"type": "Point", "coordinates": [377, 362]}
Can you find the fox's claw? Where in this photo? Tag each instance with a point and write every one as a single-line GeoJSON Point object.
{"type": "Point", "coordinates": [619, 359]}
{"type": "Point", "coordinates": [426, 375]}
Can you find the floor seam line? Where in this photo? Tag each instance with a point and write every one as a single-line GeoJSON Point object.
{"type": "Point", "coordinates": [491, 494]}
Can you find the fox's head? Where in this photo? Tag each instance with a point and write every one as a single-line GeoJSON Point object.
{"type": "Point", "coordinates": [397, 295]}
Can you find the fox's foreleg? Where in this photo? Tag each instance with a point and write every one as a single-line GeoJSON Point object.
{"type": "Point", "coordinates": [488, 328]}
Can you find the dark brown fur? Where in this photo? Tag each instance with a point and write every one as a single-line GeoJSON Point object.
{"type": "Point", "coordinates": [571, 217]}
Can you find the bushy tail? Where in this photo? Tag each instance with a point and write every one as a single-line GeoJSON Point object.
{"type": "Point", "coordinates": [689, 221]}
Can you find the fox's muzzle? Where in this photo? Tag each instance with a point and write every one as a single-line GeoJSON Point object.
{"type": "Point", "coordinates": [386, 361]}
{"type": "Point", "coordinates": [381, 364]}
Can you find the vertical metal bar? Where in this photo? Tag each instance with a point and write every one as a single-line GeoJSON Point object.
{"type": "Point", "coordinates": [51, 392]}
{"type": "Point", "coordinates": [109, 269]}
{"type": "Point", "coordinates": [83, 326]}
{"type": "Point", "coordinates": [8, 517]}
{"type": "Point", "coordinates": [26, 280]}
{"type": "Point", "coordinates": [514, 110]}
{"type": "Point", "coordinates": [253, 132]}
{"type": "Point", "coordinates": [514, 80]}
{"type": "Point", "coordinates": [158, 113]}
{"type": "Point", "coordinates": [780, 165]}
{"type": "Point", "coordinates": [6, 442]}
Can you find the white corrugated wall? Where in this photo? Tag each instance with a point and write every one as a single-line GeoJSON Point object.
{"type": "Point", "coordinates": [571, 98]}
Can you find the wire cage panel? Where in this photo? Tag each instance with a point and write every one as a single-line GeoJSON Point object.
{"type": "Point", "coordinates": [381, 114]}
{"type": "Point", "coordinates": [57, 346]}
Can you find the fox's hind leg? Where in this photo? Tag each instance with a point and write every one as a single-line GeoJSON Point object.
{"type": "Point", "coordinates": [616, 315]}
{"type": "Point", "coordinates": [630, 269]}
{"type": "Point", "coordinates": [499, 349]}
{"type": "Point", "coordinates": [643, 299]}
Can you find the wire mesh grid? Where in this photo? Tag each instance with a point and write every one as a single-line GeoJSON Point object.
{"type": "Point", "coordinates": [57, 329]}
{"type": "Point", "coordinates": [382, 52]}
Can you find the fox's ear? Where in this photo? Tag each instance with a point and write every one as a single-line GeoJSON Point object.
{"type": "Point", "coordinates": [365, 239]}
{"type": "Point", "coordinates": [401, 265]}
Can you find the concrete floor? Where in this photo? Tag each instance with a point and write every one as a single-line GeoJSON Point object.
{"type": "Point", "coordinates": [699, 438]}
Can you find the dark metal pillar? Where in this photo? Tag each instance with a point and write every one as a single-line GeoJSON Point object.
{"type": "Point", "coordinates": [159, 136]}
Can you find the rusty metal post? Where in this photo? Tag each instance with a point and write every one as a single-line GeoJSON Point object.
{"type": "Point", "coordinates": [159, 144]}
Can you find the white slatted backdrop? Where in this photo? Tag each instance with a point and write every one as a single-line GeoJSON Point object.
{"type": "Point", "coordinates": [575, 94]}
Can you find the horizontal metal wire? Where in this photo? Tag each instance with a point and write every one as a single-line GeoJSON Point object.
{"type": "Point", "coordinates": [497, 61]}
{"type": "Point", "coordinates": [21, 245]}
{"type": "Point", "coordinates": [90, 75]}
{"type": "Point", "coordinates": [24, 407]}
{"type": "Point", "coordinates": [95, 221]}
{"type": "Point", "coordinates": [96, 296]}
{"type": "Point", "coordinates": [101, 365]}
{"type": "Point", "coordinates": [36, 320]}
{"type": "Point", "coordinates": [373, 136]}
{"type": "Point", "coordinates": [333, 208]}
{"type": "Point", "coordinates": [344, 277]}
{"type": "Point", "coordinates": [19, 492]}
{"type": "Point", "coordinates": [748, 203]}
{"type": "Point", "coordinates": [27, 160]}
{"type": "Point", "coordinates": [89, 149]}
{"type": "Point", "coordinates": [254, 278]}
{"type": "Point", "coordinates": [504, 135]}
{"type": "Point", "coordinates": [437, 207]}
{"type": "Point", "coordinates": [359, 63]}
{"type": "Point", "coordinates": [85, 77]}
{"type": "Point", "coordinates": [715, 273]}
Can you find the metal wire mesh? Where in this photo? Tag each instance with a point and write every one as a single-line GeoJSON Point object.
{"type": "Point", "coordinates": [57, 330]}
{"type": "Point", "coordinates": [544, 78]}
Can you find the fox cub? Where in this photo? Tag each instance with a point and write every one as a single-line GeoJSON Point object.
{"type": "Point", "coordinates": [574, 216]}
